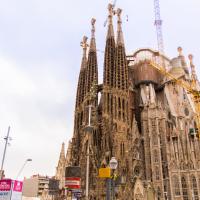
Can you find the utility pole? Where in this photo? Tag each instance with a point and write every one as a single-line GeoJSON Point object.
{"type": "Point", "coordinates": [4, 153]}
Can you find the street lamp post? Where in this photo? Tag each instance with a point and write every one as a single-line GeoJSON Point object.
{"type": "Point", "coordinates": [20, 171]}
{"type": "Point", "coordinates": [113, 166]}
{"type": "Point", "coordinates": [88, 129]}
{"type": "Point", "coordinates": [7, 138]}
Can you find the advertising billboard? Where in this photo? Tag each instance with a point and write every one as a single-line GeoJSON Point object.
{"type": "Point", "coordinates": [17, 190]}
{"type": "Point", "coordinates": [5, 189]}
{"type": "Point", "coordinates": [10, 189]}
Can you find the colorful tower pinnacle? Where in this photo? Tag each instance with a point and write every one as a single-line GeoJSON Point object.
{"type": "Point", "coordinates": [92, 66]}
{"type": "Point", "coordinates": [81, 81]}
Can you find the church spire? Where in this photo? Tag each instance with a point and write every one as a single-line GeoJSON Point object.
{"type": "Point", "coordinates": [182, 58]}
{"type": "Point", "coordinates": [110, 21]}
{"type": "Point", "coordinates": [120, 38]}
{"type": "Point", "coordinates": [81, 81]}
{"type": "Point", "coordinates": [93, 41]}
{"type": "Point", "coordinates": [109, 65]}
{"type": "Point", "coordinates": [121, 68]}
{"type": "Point", "coordinates": [120, 75]}
{"type": "Point", "coordinates": [193, 71]}
{"type": "Point", "coordinates": [62, 152]}
{"type": "Point", "coordinates": [84, 45]}
{"type": "Point", "coordinates": [109, 50]}
{"type": "Point", "coordinates": [92, 68]}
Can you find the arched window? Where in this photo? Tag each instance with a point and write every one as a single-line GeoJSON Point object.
{"type": "Point", "coordinates": [108, 103]}
{"type": "Point", "coordinates": [115, 108]}
{"type": "Point", "coordinates": [155, 156]}
{"type": "Point", "coordinates": [184, 189]}
{"type": "Point", "coordinates": [127, 114]}
{"type": "Point", "coordinates": [119, 108]}
{"type": "Point", "coordinates": [157, 173]}
{"type": "Point", "coordinates": [176, 186]}
{"type": "Point", "coordinates": [158, 193]}
{"type": "Point", "coordinates": [194, 188]}
{"type": "Point", "coordinates": [111, 104]}
{"type": "Point", "coordinates": [154, 139]}
{"type": "Point", "coordinates": [123, 109]}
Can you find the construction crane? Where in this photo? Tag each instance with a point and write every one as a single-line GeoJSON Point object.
{"type": "Point", "coordinates": [158, 24]}
{"type": "Point", "coordinates": [190, 88]}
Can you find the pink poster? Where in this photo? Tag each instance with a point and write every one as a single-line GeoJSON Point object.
{"type": "Point", "coordinates": [10, 189]}
{"type": "Point", "coordinates": [5, 184]}
{"type": "Point", "coordinates": [17, 186]}
{"type": "Point", "coordinates": [17, 190]}
{"type": "Point", "coordinates": [5, 189]}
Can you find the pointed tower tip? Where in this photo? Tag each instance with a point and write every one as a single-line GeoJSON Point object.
{"type": "Point", "coordinates": [62, 153]}
{"type": "Point", "coordinates": [84, 42]}
{"type": "Point", "coordinates": [192, 66]}
{"type": "Point", "coordinates": [182, 58]}
{"type": "Point", "coordinates": [119, 12]}
{"type": "Point", "coordinates": [180, 51]}
{"type": "Point", "coordinates": [110, 9]}
{"type": "Point", "coordinates": [63, 147]}
{"type": "Point", "coordinates": [111, 12]}
{"type": "Point", "coordinates": [120, 38]}
{"type": "Point", "coordinates": [193, 70]}
{"type": "Point", "coordinates": [84, 45]}
{"type": "Point", "coordinates": [92, 42]}
{"type": "Point", "coordinates": [190, 56]}
{"type": "Point", "coordinates": [110, 21]}
{"type": "Point", "coordinates": [93, 21]}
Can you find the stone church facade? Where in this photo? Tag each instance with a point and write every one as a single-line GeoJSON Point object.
{"type": "Point", "coordinates": [139, 116]}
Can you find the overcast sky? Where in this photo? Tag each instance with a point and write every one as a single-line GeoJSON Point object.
{"type": "Point", "coordinates": [40, 58]}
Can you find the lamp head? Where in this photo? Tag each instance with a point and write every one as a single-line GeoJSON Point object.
{"type": "Point", "coordinates": [113, 163]}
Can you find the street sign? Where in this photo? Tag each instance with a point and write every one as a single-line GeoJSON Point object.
{"type": "Point", "coordinates": [73, 171]}
{"type": "Point", "coordinates": [77, 194]}
{"type": "Point", "coordinates": [104, 172]}
{"type": "Point", "coordinates": [73, 182]}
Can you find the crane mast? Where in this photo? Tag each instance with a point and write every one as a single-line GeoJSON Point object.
{"type": "Point", "coordinates": [158, 24]}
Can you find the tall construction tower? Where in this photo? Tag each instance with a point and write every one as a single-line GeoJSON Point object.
{"type": "Point", "coordinates": [158, 24]}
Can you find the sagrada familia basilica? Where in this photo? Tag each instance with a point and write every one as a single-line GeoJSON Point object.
{"type": "Point", "coordinates": [140, 116]}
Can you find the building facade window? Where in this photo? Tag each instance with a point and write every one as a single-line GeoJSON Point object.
{"type": "Point", "coordinates": [194, 188]}
{"type": "Point", "coordinates": [119, 108]}
{"type": "Point", "coordinates": [184, 188]}
{"type": "Point", "coordinates": [155, 156]}
{"type": "Point", "coordinates": [159, 193]}
{"type": "Point", "coordinates": [157, 173]}
{"type": "Point", "coordinates": [154, 138]}
{"type": "Point", "coordinates": [176, 186]}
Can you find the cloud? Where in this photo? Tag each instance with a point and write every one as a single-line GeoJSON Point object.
{"type": "Point", "coordinates": [14, 82]}
{"type": "Point", "coordinates": [35, 106]}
